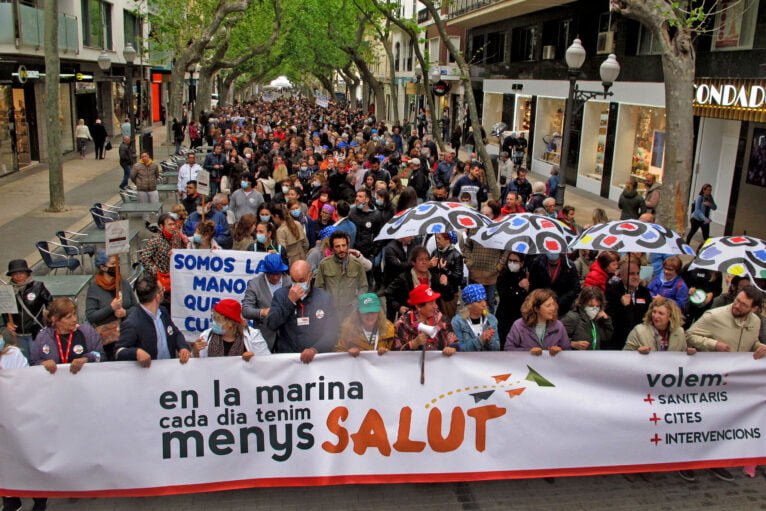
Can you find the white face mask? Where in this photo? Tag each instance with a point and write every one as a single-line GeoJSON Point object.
{"type": "Point", "coordinates": [592, 312]}
{"type": "Point", "coordinates": [514, 266]}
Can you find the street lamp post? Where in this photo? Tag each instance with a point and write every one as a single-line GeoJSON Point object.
{"type": "Point", "coordinates": [104, 63]}
{"type": "Point", "coordinates": [130, 56]}
{"type": "Point", "coordinates": [609, 70]}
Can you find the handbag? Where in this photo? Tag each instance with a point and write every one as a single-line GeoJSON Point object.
{"type": "Point", "coordinates": [108, 145]}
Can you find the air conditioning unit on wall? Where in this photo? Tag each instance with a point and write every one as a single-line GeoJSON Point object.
{"type": "Point", "coordinates": [605, 43]}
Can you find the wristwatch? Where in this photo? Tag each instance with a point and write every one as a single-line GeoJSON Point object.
{"type": "Point", "coordinates": [96, 355]}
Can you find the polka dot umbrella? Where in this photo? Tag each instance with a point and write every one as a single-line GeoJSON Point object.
{"type": "Point", "coordinates": [432, 218]}
{"type": "Point", "coordinates": [631, 236]}
{"type": "Point", "coordinates": [526, 233]}
{"type": "Point", "coordinates": [742, 256]}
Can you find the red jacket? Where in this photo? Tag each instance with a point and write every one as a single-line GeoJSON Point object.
{"type": "Point", "coordinates": [596, 277]}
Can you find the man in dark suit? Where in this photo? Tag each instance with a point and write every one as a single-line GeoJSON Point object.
{"type": "Point", "coordinates": [148, 333]}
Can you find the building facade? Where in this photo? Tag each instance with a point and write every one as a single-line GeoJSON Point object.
{"type": "Point", "coordinates": [519, 69]}
{"type": "Point", "coordinates": [86, 29]}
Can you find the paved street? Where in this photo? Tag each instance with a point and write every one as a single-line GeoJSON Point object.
{"type": "Point", "coordinates": [661, 491]}
{"type": "Point", "coordinates": [88, 181]}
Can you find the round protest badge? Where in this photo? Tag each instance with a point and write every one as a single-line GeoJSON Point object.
{"type": "Point", "coordinates": [368, 225]}
{"type": "Point", "coordinates": [46, 349]}
{"type": "Point", "coordinates": [170, 330]}
{"type": "Point", "coordinates": [31, 297]}
{"type": "Point", "coordinates": [78, 349]}
{"type": "Point", "coordinates": [319, 314]}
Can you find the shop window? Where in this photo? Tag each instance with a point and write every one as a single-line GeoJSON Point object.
{"type": "Point", "coordinates": [639, 148]}
{"type": "Point", "coordinates": [734, 24]}
{"type": "Point", "coordinates": [549, 129]}
{"type": "Point", "coordinates": [495, 48]}
{"type": "Point", "coordinates": [410, 53]}
{"type": "Point", "coordinates": [97, 24]}
{"type": "Point", "coordinates": [648, 44]}
{"type": "Point", "coordinates": [523, 44]}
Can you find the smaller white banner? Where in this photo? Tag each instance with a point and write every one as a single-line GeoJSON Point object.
{"type": "Point", "coordinates": [8, 303]}
{"type": "Point", "coordinates": [202, 278]}
{"type": "Point", "coordinates": [203, 182]}
{"type": "Point", "coordinates": [117, 237]}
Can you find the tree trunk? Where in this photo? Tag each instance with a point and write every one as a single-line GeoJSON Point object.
{"type": "Point", "coordinates": [352, 84]}
{"type": "Point", "coordinates": [52, 109]}
{"type": "Point", "coordinates": [679, 153]}
{"type": "Point", "coordinates": [674, 30]}
{"type": "Point", "coordinates": [175, 95]}
{"type": "Point", "coordinates": [227, 97]}
{"type": "Point", "coordinates": [373, 83]}
{"type": "Point", "coordinates": [465, 79]}
{"type": "Point", "coordinates": [407, 29]}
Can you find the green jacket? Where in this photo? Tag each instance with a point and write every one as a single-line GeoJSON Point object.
{"type": "Point", "coordinates": [343, 280]}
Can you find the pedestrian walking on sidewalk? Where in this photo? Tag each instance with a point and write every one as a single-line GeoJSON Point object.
{"type": "Point", "coordinates": [126, 161]}
{"type": "Point", "coordinates": [82, 135]}
{"type": "Point", "coordinates": [145, 175]}
{"type": "Point", "coordinates": [99, 138]}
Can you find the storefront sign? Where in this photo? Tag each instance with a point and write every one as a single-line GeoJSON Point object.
{"type": "Point", "coordinates": [739, 99]}
{"type": "Point", "coordinates": [440, 88]}
{"type": "Point", "coordinates": [116, 429]}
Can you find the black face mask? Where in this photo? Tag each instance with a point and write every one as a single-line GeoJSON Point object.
{"type": "Point", "coordinates": [440, 199]}
{"type": "Point", "coordinates": [112, 272]}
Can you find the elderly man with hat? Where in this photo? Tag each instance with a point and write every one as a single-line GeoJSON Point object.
{"type": "Point", "coordinates": [32, 297]}
{"type": "Point", "coordinates": [271, 276]}
{"type": "Point", "coordinates": [475, 327]}
{"type": "Point", "coordinates": [303, 317]}
{"type": "Point", "coordinates": [425, 313]}
{"type": "Point", "coordinates": [366, 329]}
{"type": "Point", "coordinates": [229, 335]}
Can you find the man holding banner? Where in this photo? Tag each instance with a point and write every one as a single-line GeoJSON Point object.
{"type": "Point", "coordinates": [303, 317]}
{"type": "Point", "coordinates": [148, 333]}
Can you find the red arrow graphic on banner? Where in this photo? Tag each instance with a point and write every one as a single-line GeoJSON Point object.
{"type": "Point", "coordinates": [501, 377]}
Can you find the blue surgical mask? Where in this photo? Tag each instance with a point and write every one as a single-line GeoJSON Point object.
{"type": "Point", "coordinates": [225, 209]}
{"type": "Point", "coordinates": [296, 213]}
{"type": "Point", "coordinates": [197, 238]}
{"type": "Point", "coordinates": [285, 189]}
{"type": "Point", "coordinates": [2, 343]}
{"type": "Point", "coordinates": [216, 327]}
{"type": "Point", "coordinates": [380, 202]}
{"type": "Point", "coordinates": [305, 285]}
{"type": "Point", "coordinates": [265, 218]}
{"type": "Point", "coordinates": [316, 184]}
{"type": "Point", "coordinates": [261, 238]}
{"type": "Point", "coordinates": [244, 184]}
{"type": "Point", "coordinates": [552, 257]}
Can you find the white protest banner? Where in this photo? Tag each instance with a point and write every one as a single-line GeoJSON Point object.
{"type": "Point", "coordinates": [323, 101]}
{"type": "Point", "coordinates": [202, 278]}
{"type": "Point", "coordinates": [203, 182]}
{"type": "Point", "coordinates": [116, 429]}
{"type": "Point", "coordinates": [8, 303]}
{"type": "Point", "coordinates": [117, 236]}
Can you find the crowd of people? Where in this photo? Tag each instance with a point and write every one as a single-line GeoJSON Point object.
{"type": "Point", "coordinates": [310, 188]}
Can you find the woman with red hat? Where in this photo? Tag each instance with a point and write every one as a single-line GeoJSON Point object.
{"type": "Point", "coordinates": [425, 314]}
{"type": "Point", "coordinates": [229, 335]}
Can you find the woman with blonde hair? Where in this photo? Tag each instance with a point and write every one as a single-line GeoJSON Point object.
{"type": "Point", "coordinates": [229, 335]}
{"type": "Point", "coordinates": [367, 328]}
{"type": "Point", "coordinates": [538, 328]}
{"type": "Point", "coordinates": [291, 235]}
{"type": "Point", "coordinates": [82, 135]}
{"type": "Point", "coordinates": [661, 330]}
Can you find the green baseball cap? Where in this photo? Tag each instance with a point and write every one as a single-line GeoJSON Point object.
{"type": "Point", "coordinates": [368, 302]}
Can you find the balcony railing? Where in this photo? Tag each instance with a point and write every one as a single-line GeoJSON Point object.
{"type": "Point", "coordinates": [32, 29]}
{"type": "Point", "coordinates": [460, 7]}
